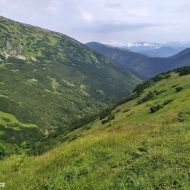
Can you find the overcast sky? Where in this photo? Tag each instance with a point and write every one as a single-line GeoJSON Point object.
{"type": "Point", "coordinates": [115, 22]}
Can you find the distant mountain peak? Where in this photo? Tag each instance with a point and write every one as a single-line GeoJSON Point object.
{"type": "Point", "coordinates": [148, 65]}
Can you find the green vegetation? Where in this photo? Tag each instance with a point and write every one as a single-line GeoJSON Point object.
{"type": "Point", "coordinates": [136, 149]}
{"type": "Point", "coordinates": [141, 142]}
{"type": "Point", "coordinates": [155, 108]}
{"type": "Point", "coordinates": [2, 151]}
{"type": "Point", "coordinates": [183, 71]}
{"type": "Point", "coordinates": [178, 89]}
{"type": "Point", "coordinates": [49, 80]}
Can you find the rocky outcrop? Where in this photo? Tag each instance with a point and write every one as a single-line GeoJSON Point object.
{"type": "Point", "coordinates": [14, 51]}
{"type": "Point", "coordinates": [8, 46]}
{"type": "Point", "coordinates": [19, 48]}
{"type": "Point", "coordinates": [33, 58]}
{"type": "Point", "coordinates": [21, 57]}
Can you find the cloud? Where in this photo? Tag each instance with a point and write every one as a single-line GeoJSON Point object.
{"type": "Point", "coordinates": [113, 4]}
{"type": "Point", "coordinates": [109, 27]}
{"type": "Point", "coordinates": [87, 16]}
{"type": "Point", "coordinates": [118, 20]}
{"type": "Point", "coordinates": [138, 12]}
{"type": "Point", "coordinates": [53, 6]}
{"type": "Point", "coordinates": [52, 9]}
{"type": "Point", "coordinates": [113, 42]}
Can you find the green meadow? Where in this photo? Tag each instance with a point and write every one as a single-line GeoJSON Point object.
{"type": "Point", "coordinates": [142, 142]}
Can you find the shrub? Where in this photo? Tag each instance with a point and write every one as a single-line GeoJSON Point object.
{"type": "Point", "coordinates": [149, 96]}
{"type": "Point", "coordinates": [157, 78]}
{"type": "Point", "coordinates": [157, 92]}
{"type": "Point", "coordinates": [73, 137]}
{"type": "Point", "coordinates": [105, 121]}
{"type": "Point", "coordinates": [178, 89]}
{"type": "Point", "coordinates": [126, 110]}
{"type": "Point", "coordinates": [154, 109]}
{"type": "Point", "coordinates": [140, 87]}
{"type": "Point", "coordinates": [127, 99]}
{"type": "Point", "coordinates": [88, 128]}
{"type": "Point", "coordinates": [105, 113]}
{"type": "Point", "coordinates": [111, 117]}
{"type": "Point", "coordinates": [174, 85]}
{"type": "Point", "coordinates": [183, 70]}
{"type": "Point", "coordinates": [2, 151]}
{"type": "Point", "coordinates": [139, 101]}
{"type": "Point", "coordinates": [167, 102]}
{"type": "Point", "coordinates": [167, 76]}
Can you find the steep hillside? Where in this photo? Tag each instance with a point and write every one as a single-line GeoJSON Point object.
{"type": "Point", "coordinates": [127, 59]}
{"type": "Point", "coordinates": [142, 64]}
{"type": "Point", "coordinates": [48, 79]}
{"type": "Point", "coordinates": [141, 144]}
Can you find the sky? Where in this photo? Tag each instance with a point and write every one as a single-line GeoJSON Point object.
{"type": "Point", "coordinates": [114, 22]}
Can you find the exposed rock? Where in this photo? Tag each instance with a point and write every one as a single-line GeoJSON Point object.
{"type": "Point", "coordinates": [8, 45]}
{"type": "Point", "coordinates": [6, 55]}
{"type": "Point", "coordinates": [14, 52]}
{"type": "Point", "coordinates": [19, 48]}
{"type": "Point", "coordinates": [21, 57]}
{"type": "Point", "coordinates": [33, 58]}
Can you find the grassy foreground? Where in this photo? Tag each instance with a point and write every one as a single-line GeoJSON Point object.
{"type": "Point", "coordinates": [144, 146]}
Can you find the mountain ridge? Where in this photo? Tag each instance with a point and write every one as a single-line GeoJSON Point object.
{"type": "Point", "coordinates": [48, 79]}
{"type": "Point", "coordinates": [161, 52]}
{"type": "Point", "coordinates": [147, 66]}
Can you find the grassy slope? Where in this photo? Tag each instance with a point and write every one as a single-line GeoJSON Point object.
{"type": "Point", "coordinates": [136, 150]}
{"type": "Point", "coordinates": [60, 80]}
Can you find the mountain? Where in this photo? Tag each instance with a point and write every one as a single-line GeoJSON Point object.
{"type": "Point", "coordinates": [48, 79]}
{"type": "Point", "coordinates": [141, 143]}
{"type": "Point", "coordinates": [127, 59]}
{"type": "Point", "coordinates": [161, 52]}
{"type": "Point", "coordinates": [147, 66]}
{"type": "Point", "coordinates": [142, 46]}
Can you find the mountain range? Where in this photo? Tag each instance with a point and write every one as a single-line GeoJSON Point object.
{"type": "Point", "coordinates": [161, 52]}
{"type": "Point", "coordinates": [75, 117]}
{"type": "Point", "coordinates": [48, 79]}
{"type": "Point", "coordinates": [157, 49]}
{"type": "Point", "coordinates": [144, 65]}
{"type": "Point", "coordinates": [138, 46]}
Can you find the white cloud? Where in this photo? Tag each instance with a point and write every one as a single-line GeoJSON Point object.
{"type": "Point", "coordinates": [87, 16]}
{"type": "Point", "coordinates": [53, 6]}
{"type": "Point", "coordinates": [52, 9]}
{"type": "Point", "coordinates": [138, 12]}
{"type": "Point", "coordinates": [113, 42]}
{"type": "Point", "coordinates": [114, 4]}
{"type": "Point", "coordinates": [113, 20]}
